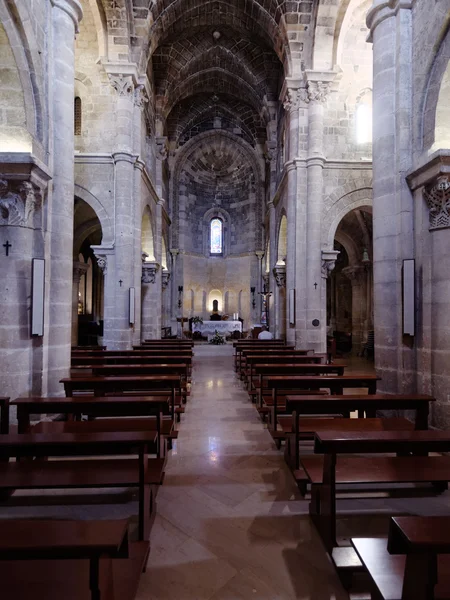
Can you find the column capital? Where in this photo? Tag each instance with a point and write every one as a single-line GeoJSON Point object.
{"type": "Point", "coordinates": [319, 85]}
{"type": "Point", "coordinates": [174, 252]}
{"type": "Point", "coordinates": [72, 8]}
{"type": "Point", "coordinates": [293, 95]}
{"type": "Point", "coordinates": [165, 278]}
{"type": "Point", "coordinates": [79, 269]}
{"type": "Point", "coordinates": [19, 202]}
{"type": "Point", "coordinates": [101, 254]}
{"type": "Point", "coordinates": [260, 254]}
{"type": "Point", "coordinates": [382, 10]}
{"type": "Point", "coordinates": [355, 273]}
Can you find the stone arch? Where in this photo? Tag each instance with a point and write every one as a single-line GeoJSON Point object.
{"type": "Point", "coordinates": [147, 234]}
{"type": "Point", "coordinates": [100, 211]}
{"type": "Point", "coordinates": [82, 233]}
{"type": "Point", "coordinates": [215, 294]}
{"type": "Point", "coordinates": [282, 240]}
{"type": "Point", "coordinates": [180, 163]}
{"type": "Point", "coordinates": [349, 245]}
{"type": "Point", "coordinates": [435, 104]}
{"type": "Point", "coordinates": [101, 26]}
{"type": "Point", "coordinates": [340, 203]}
{"type": "Point", "coordinates": [16, 21]}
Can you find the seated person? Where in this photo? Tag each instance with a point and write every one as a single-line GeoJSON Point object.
{"type": "Point", "coordinates": [265, 334]}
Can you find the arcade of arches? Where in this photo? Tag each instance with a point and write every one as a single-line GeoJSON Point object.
{"type": "Point", "coordinates": [127, 127]}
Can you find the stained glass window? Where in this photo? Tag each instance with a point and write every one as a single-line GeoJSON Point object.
{"type": "Point", "coordinates": [216, 236]}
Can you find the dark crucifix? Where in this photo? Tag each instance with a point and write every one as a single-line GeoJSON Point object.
{"type": "Point", "coordinates": [7, 246]}
{"type": "Point", "coordinates": [315, 286]}
{"type": "Point", "coordinates": [120, 282]}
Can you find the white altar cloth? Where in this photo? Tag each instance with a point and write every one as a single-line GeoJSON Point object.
{"type": "Point", "coordinates": [208, 328]}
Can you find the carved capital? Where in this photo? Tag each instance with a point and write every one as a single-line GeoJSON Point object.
{"type": "Point", "coordinates": [279, 272]}
{"type": "Point", "coordinates": [165, 278]}
{"type": "Point", "coordinates": [140, 97]}
{"type": "Point", "coordinates": [437, 196]}
{"type": "Point", "coordinates": [328, 262]}
{"type": "Point", "coordinates": [122, 84]}
{"type": "Point", "coordinates": [102, 262]}
{"type": "Point", "coordinates": [19, 202]}
{"type": "Point", "coordinates": [294, 98]}
{"type": "Point", "coordinates": [149, 270]}
{"type": "Point", "coordinates": [355, 273]}
{"type": "Point", "coordinates": [79, 269]}
{"type": "Point", "coordinates": [162, 148]}
{"type": "Point", "coordinates": [318, 91]}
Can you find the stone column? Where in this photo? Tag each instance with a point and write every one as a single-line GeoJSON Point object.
{"type": "Point", "coordinates": [390, 25]}
{"type": "Point", "coordinates": [79, 269]}
{"type": "Point", "coordinates": [260, 287]}
{"type": "Point", "coordinates": [151, 290]}
{"type": "Point", "coordinates": [356, 274]}
{"type": "Point", "coordinates": [269, 278]}
{"type": "Point", "coordinates": [291, 97]}
{"type": "Point", "coordinates": [21, 240]}
{"type": "Point", "coordinates": [174, 282]}
{"type": "Point", "coordinates": [65, 16]}
{"type": "Point", "coordinates": [318, 86]}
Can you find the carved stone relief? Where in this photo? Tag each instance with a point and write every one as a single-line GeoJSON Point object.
{"type": "Point", "coordinates": [19, 203]}
{"type": "Point", "coordinates": [437, 196]}
{"type": "Point", "coordinates": [279, 272]}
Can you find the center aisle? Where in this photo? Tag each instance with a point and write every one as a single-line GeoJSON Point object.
{"type": "Point", "coordinates": [230, 522]}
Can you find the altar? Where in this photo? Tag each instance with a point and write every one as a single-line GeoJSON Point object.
{"type": "Point", "coordinates": [208, 328]}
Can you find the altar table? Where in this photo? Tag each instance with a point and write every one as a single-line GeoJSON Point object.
{"type": "Point", "coordinates": [208, 328]}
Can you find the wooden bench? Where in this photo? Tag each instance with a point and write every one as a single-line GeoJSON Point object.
{"type": "Point", "coordinates": [107, 386]}
{"type": "Point", "coordinates": [297, 428]}
{"type": "Point", "coordinates": [411, 465]}
{"type": "Point", "coordinates": [263, 370]}
{"type": "Point", "coordinates": [279, 358]}
{"type": "Point", "coordinates": [413, 563]}
{"type": "Point", "coordinates": [144, 473]}
{"type": "Point", "coordinates": [335, 385]}
{"type": "Point", "coordinates": [277, 352]}
{"type": "Point", "coordinates": [91, 406]}
{"type": "Point", "coordinates": [266, 345]}
{"type": "Point", "coordinates": [42, 559]}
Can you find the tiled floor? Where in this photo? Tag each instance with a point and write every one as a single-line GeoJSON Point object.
{"type": "Point", "coordinates": [230, 522]}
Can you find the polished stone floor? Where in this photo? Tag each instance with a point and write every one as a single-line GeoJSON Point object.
{"type": "Point", "coordinates": [230, 522]}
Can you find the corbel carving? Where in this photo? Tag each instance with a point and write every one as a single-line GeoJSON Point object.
{"type": "Point", "coordinates": [328, 262]}
{"type": "Point", "coordinates": [279, 272]}
{"type": "Point", "coordinates": [437, 196]}
{"type": "Point", "coordinates": [165, 278]}
{"type": "Point", "coordinates": [140, 97]}
{"type": "Point", "coordinates": [102, 262]}
{"type": "Point", "coordinates": [162, 148]}
{"type": "Point", "coordinates": [149, 270]}
{"type": "Point", "coordinates": [19, 203]}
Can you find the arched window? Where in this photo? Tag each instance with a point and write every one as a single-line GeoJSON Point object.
{"type": "Point", "coordinates": [77, 116]}
{"type": "Point", "coordinates": [216, 236]}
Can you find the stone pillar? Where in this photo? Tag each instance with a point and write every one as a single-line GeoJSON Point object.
{"type": "Point", "coordinates": [79, 269]}
{"type": "Point", "coordinates": [260, 287]}
{"type": "Point", "coordinates": [356, 274]}
{"type": "Point", "coordinates": [291, 97]}
{"type": "Point", "coordinates": [174, 282]}
{"type": "Point", "coordinates": [65, 16]}
{"type": "Point", "coordinates": [22, 188]}
{"type": "Point", "coordinates": [390, 27]}
{"type": "Point", "coordinates": [328, 263]}
{"type": "Point", "coordinates": [151, 290]}
{"type": "Point", "coordinates": [269, 278]}
{"type": "Point", "coordinates": [318, 86]}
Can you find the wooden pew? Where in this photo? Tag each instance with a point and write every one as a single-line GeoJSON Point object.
{"type": "Point", "coordinates": [335, 385]}
{"type": "Point", "coordinates": [279, 357]}
{"type": "Point", "coordinates": [107, 386]}
{"type": "Point", "coordinates": [297, 428]}
{"type": "Point", "coordinates": [413, 563]}
{"type": "Point", "coordinates": [264, 370]}
{"type": "Point", "coordinates": [242, 351]}
{"type": "Point", "coordinates": [409, 466]}
{"type": "Point", "coordinates": [103, 407]}
{"type": "Point", "coordinates": [46, 559]}
{"type": "Point", "coordinates": [4, 414]}
{"type": "Point", "coordinates": [144, 473]}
